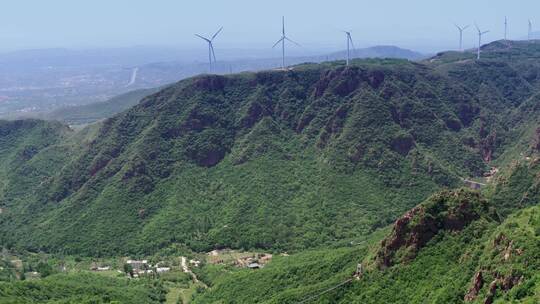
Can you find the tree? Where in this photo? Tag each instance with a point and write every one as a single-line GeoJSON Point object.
{"type": "Point", "coordinates": [44, 269]}
{"type": "Point", "coordinates": [128, 269]}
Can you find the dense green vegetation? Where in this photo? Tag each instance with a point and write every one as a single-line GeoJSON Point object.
{"type": "Point", "coordinates": [81, 288]}
{"type": "Point", "coordinates": [317, 161]}
{"type": "Point", "coordinates": [442, 271]}
{"type": "Point", "coordinates": [276, 160]}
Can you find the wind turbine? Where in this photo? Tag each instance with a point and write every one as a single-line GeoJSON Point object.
{"type": "Point", "coordinates": [349, 44]}
{"type": "Point", "coordinates": [505, 28]}
{"type": "Point", "coordinates": [282, 40]}
{"type": "Point", "coordinates": [461, 29]}
{"type": "Point", "coordinates": [529, 32]}
{"type": "Point", "coordinates": [480, 33]}
{"type": "Point", "coordinates": [211, 53]}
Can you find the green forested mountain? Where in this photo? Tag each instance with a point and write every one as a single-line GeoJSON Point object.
{"type": "Point", "coordinates": [270, 160]}
{"type": "Point", "coordinates": [281, 160]}
{"type": "Point", "coordinates": [308, 161]}
{"type": "Point", "coordinates": [451, 248]}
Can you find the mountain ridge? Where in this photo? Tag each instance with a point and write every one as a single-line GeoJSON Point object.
{"type": "Point", "coordinates": [325, 108]}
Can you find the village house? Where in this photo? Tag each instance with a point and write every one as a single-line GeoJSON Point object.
{"type": "Point", "coordinates": [254, 266]}
{"type": "Point", "coordinates": [473, 185]}
{"type": "Point", "coordinates": [137, 266]}
{"type": "Point", "coordinates": [163, 269]}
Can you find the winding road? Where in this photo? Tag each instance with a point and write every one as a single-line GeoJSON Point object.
{"type": "Point", "coordinates": [186, 269]}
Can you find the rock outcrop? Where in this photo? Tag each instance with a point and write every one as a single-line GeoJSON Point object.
{"type": "Point", "coordinates": [448, 210]}
{"type": "Point", "coordinates": [477, 284]}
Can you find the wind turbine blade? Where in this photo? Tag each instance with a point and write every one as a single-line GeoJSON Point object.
{"type": "Point", "coordinates": [203, 38]}
{"type": "Point", "coordinates": [458, 27]}
{"type": "Point", "coordinates": [485, 32]}
{"type": "Point", "coordinates": [283, 25]}
{"type": "Point", "coordinates": [217, 33]}
{"type": "Point", "coordinates": [277, 42]}
{"type": "Point", "coordinates": [298, 44]}
{"type": "Point", "coordinates": [466, 27]}
{"type": "Point", "coordinates": [476, 25]}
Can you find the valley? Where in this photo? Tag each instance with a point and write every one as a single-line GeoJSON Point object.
{"type": "Point", "coordinates": [323, 183]}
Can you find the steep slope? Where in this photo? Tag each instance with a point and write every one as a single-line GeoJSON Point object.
{"type": "Point", "coordinates": [479, 260]}
{"type": "Point", "coordinates": [30, 150]}
{"type": "Point", "coordinates": [282, 160]}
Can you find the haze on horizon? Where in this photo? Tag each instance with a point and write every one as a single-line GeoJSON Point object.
{"type": "Point", "coordinates": [421, 25]}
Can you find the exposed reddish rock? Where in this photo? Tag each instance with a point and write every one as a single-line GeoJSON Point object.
{"type": "Point", "coordinates": [477, 283]}
{"type": "Point", "coordinates": [398, 239]}
{"type": "Point", "coordinates": [322, 84]}
{"type": "Point", "coordinates": [510, 281]}
{"type": "Point", "coordinates": [487, 146]}
{"type": "Point", "coordinates": [491, 292]}
{"type": "Point", "coordinates": [449, 210]}
{"type": "Point", "coordinates": [344, 81]}
{"type": "Point", "coordinates": [254, 113]}
{"type": "Point", "coordinates": [347, 83]}
{"type": "Point", "coordinates": [500, 239]}
{"type": "Point", "coordinates": [504, 283]}
{"type": "Point", "coordinates": [505, 246]}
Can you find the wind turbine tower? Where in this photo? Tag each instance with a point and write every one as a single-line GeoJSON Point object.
{"type": "Point", "coordinates": [349, 44]}
{"type": "Point", "coordinates": [505, 28]}
{"type": "Point", "coordinates": [461, 29]}
{"type": "Point", "coordinates": [480, 34]}
{"type": "Point", "coordinates": [529, 32]}
{"type": "Point", "coordinates": [211, 52]}
{"type": "Point", "coordinates": [282, 41]}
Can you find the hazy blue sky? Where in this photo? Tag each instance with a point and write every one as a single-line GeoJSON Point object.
{"type": "Point", "coordinates": [420, 24]}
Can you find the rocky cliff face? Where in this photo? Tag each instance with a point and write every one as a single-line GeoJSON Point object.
{"type": "Point", "coordinates": [506, 251]}
{"type": "Point", "coordinates": [446, 211]}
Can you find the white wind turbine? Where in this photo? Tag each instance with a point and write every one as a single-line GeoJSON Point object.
{"type": "Point", "coordinates": [529, 32]}
{"type": "Point", "coordinates": [480, 34]}
{"type": "Point", "coordinates": [461, 29]}
{"type": "Point", "coordinates": [505, 28]}
{"type": "Point", "coordinates": [349, 44]}
{"type": "Point", "coordinates": [282, 40]}
{"type": "Point", "coordinates": [211, 53]}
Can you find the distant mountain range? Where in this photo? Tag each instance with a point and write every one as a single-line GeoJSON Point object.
{"type": "Point", "coordinates": [34, 83]}
{"type": "Point", "coordinates": [176, 70]}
